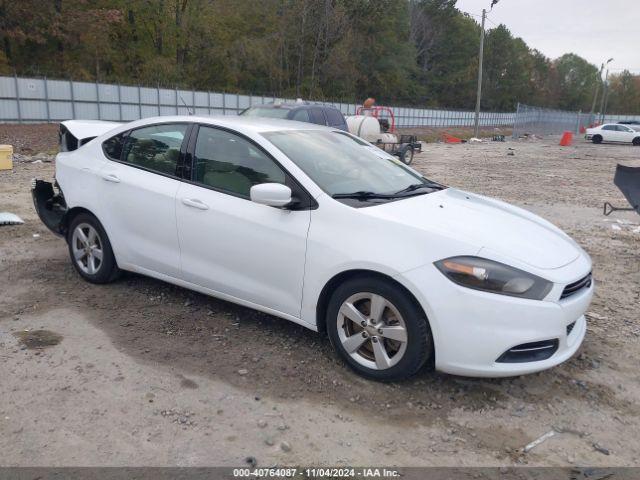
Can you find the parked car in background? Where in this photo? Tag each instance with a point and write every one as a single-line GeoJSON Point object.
{"type": "Point", "coordinates": [302, 222]}
{"type": "Point", "coordinates": [629, 122]}
{"type": "Point", "coordinates": [300, 111]}
{"type": "Point", "coordinates": [613, 132]}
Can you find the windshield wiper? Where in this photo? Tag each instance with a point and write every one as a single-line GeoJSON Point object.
{"type": "Point", "coordinates": [417, 186]}
{"type": "Point", "coordinates": [364, 195]}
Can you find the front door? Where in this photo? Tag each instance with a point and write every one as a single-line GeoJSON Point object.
{"type": "Point", "coordinates": [230, 244]}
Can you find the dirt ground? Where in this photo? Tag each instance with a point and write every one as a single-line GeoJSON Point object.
{"type": "Point", "coordinates": [140, 372]}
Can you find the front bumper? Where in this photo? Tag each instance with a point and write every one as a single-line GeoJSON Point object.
{"type": "Point", "coordinates": [473, 329]}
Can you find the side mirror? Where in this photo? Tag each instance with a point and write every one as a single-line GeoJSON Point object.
{"type": "Point", "coordinates": [271, 194]}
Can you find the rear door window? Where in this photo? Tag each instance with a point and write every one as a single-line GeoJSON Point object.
{"type": "Point", "coordinates": [334, 117]}
{"type": "Point", "coordinates": [155, 148]}
{"type": "Point", "coordinates": [317, 116]}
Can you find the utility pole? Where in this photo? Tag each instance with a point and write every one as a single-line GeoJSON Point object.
{"type": "Point", "coordinates": [476, 118]}
{"type": "Point", "coordinates": [604, 96]}
{"type": "Point", "coordinates": [595, 96]}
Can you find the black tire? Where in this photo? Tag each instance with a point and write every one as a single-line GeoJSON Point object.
{"type": "Point", "coordinates": [107, 270]}
{"type": "Point", "coordinates": [597, 139]}
{"type": "Point", "coordinates": [419, 345]}
{"type": "Point", "coordinates": [636, 142]}
{"type": "Point", "coordinates": [406, 155]}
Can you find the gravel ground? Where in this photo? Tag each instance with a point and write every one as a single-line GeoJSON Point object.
{"type": "Point", "coordinates": [140, 372]}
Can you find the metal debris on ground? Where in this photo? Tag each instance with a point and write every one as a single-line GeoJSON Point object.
{"type": "Point", "coordinates": [7, 218]}
{"type": "Point", "coordinates": [601, 449]}
{"type": "Point", "coordinates": [539, 440]}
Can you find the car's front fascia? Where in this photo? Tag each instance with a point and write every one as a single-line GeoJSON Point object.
{"type": "Point", "coordinates": [471, 329]}
{"type": "Point", "coordinates": [474, 330]}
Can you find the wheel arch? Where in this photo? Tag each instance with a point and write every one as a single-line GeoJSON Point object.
{"type": "Point", "coordinates": [339, 278]}
{"type": "Point", "coordinates": [70, 215]}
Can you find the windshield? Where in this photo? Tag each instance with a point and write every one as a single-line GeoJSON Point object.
{"type": "Point", "coordinates": [271, 112]}
{"type": "Point", "coordinates": [341, 164]}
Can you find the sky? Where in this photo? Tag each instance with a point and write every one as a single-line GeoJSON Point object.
{"type": "Point", "coordinates": [594, 29]}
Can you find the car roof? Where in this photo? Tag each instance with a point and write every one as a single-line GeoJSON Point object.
{"type": "Point", "coordinates": [236, 122]}
{"type": "Point", "coordinates": [294, 105]}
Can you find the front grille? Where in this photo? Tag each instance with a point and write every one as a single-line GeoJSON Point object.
{"type": "Point", "coordinates": [529, 352]}
{"type": "Point", "coordinates": [570, 328]}
{"type": "Point", "coordinates": [575, 287]}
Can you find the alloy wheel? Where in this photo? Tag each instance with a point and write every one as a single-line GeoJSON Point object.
{"type": "Point", "coordinates": [86, 246]}
{"type": "Point", "coordinates": [372, 330]}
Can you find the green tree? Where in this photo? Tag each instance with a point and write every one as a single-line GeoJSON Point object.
{"type": "Point", "coordinates": [573, 82]}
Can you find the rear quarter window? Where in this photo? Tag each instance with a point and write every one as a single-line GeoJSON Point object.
{"type": "Point", "coordinates": [112, 147]}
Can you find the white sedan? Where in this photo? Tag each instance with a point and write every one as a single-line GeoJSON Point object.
{"type": "Point", "coordinates": [302, 222]}
{"type": "Point", "coordinates": [613, 132]}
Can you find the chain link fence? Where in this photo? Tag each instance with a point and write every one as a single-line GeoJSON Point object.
{"type": "Point", "coordinates": [544, 121]}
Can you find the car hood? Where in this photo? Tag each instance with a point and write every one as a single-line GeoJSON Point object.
{"type": "Point", "coordinates": [490, 225]}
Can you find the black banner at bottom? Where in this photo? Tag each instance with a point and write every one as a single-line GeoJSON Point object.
{"type": "Point", "coordinates": [368, 473]}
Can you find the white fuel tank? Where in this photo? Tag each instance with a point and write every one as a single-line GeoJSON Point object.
{"type": "Point", "coordinates": [364, 126]}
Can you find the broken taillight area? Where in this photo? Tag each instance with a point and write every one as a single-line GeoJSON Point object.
{"type": "Point", "coordinates": [50, 205]}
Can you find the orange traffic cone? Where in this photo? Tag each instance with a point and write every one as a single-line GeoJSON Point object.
{"type": "Point", "coordinates": [567, 138]}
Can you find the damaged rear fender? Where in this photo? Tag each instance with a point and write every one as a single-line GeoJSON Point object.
{"type": "Point", "coordinates": [50, 205]}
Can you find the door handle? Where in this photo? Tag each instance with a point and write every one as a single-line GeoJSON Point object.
{"type": "Point", "coordinates": [195, 203]}
{"type": "Point", "coordinates": [111, 178]}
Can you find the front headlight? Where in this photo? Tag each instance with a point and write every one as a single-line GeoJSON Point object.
{"type": "Point", "coordinates": [489, 276]}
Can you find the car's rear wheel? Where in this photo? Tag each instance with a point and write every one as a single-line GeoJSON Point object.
{"type": "Point", "coordinates": [597, 139]}
{"type": "Point", "coordinates": [90, 250]}
{"type": "Point", "coordinates": [636, 141]}
{"type": "Point", "coordinates": [378, 329]}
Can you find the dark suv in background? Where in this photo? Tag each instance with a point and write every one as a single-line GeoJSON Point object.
{"type": "Point", "coordinates": [300, 111]}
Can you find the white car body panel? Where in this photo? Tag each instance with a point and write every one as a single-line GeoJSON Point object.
{"type": "Point", "coordinates": [141, 207]}
{"type": "Point", "coordinates": [242, 248]}
{"type": "Point", "coordinates": [279, 261]}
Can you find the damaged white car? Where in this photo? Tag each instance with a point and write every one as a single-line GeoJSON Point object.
{"type": "Point", "coordinates": [302, 222]}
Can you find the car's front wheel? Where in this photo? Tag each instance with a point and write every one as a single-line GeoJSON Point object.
{"type": "Point", "coordinates": [90, 250]}
{"type": "Point", "coordinates": [378, 329]}
{"type": "Point", "coordinates": [597, 139]}
{"type": "Point", "coordinates": [636, 142]}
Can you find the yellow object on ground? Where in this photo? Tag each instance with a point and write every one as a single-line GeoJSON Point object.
{"type": "Point", "coordinates": [6, 157]}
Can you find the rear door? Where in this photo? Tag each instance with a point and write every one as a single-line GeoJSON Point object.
{"type": "Point", "coordinates": [229, 244]}
{"type": "Point", "coordinates": [609, 133]}
{"type": "Point", "coordinates": [138, 191]}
